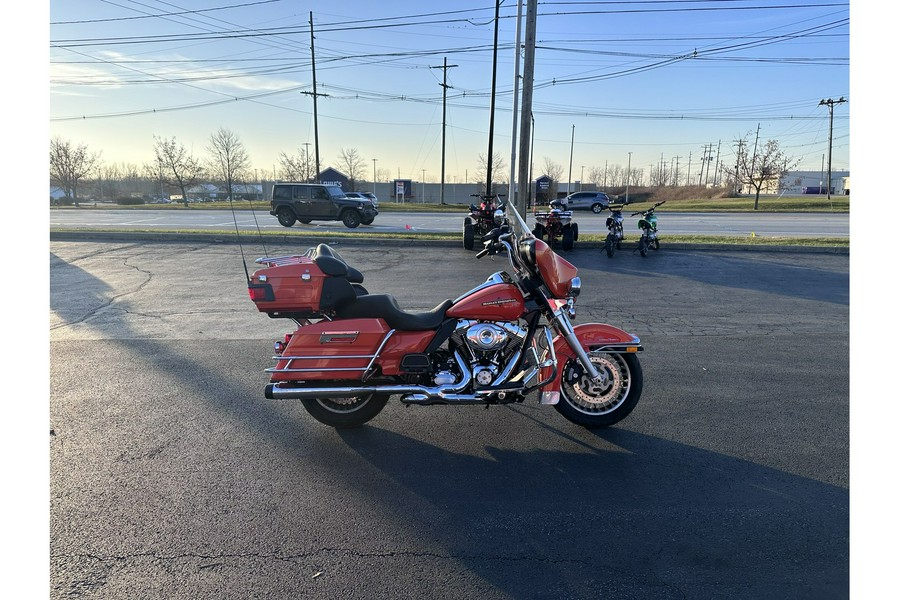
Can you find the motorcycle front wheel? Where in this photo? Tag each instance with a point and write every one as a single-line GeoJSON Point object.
{"type": "Point", "coordinates": [643, 245]}
{"type": "Point", "coordinates": [592, 405]}
{"type": "Point", "coordinates": [344, 413]}
{"type": "Point", "coordinates": [610, 246]}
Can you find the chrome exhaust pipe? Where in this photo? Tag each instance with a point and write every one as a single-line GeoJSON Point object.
{"type": "Point", "coordinates": [282, 391]}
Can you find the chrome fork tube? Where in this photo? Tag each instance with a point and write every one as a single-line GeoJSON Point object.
{"type": "Point", "coordinates": [563, 326]}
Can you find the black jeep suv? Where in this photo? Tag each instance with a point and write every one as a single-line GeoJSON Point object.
{"type": "Point", "coordinates": [307, 202]}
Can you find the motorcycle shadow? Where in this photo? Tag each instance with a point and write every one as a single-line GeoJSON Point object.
{"type": "Point", "coordinates": [599, 513]}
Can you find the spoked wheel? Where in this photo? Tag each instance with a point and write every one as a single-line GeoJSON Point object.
{"type": "Point", "coordinates": [605, 402]}
{"type": "Point", "coordinates": [344, 413]}
{"type": "Point", "coordinates": [610, 246]}
{"type": "Point", "coordinates": [643, 245]}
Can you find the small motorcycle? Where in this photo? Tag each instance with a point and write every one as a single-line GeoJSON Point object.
{"type": "Point", "coordinates": [350, 351]}
{"type": "Point", "coordinates": [480, 219]}
{"type": "Point", "coordinates": [616, 231]}
{"type": "Point", "coordinates": [647, 224]}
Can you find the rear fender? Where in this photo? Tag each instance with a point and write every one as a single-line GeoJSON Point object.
{"type": "Point", "coordinates": [592, 336]}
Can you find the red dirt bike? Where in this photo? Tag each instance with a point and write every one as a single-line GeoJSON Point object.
{"type": "Point", "coordinates": [512, 335]}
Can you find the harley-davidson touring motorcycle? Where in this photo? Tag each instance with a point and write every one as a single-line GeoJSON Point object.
{"type": "Point", "coordinates": [495, 344]}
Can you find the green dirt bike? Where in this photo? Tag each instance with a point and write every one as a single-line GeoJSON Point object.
{"type": "Point", "coordinates": [647, 224]}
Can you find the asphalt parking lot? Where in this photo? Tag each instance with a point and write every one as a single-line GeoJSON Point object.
{"type": "Point", "coordinates": [173, 477]}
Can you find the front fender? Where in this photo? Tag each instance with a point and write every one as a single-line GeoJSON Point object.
{"type": "Point", "coordinates": [592, 336]}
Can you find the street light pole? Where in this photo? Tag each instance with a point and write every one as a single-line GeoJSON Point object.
{"type": "Point", "coordinates": [628, 178]}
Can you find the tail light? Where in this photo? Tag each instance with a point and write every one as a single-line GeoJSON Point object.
{"type": "Point", "coordinates": [261, 292]}
{"type": "Point", "coordinates": [281, 345]}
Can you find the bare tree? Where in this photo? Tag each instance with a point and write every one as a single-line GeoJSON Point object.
{"type": "Point", "coordinates": [228, 158]}
{"type": "Point", "coordinates": [498, 170]}
{"type": "Point", "coordinates": [350, 163]}
{"type": "Point", "coordinates": [70, 164]}
{"type": "Point", "coordinates": [384, 174]}
{"type": "Point", "coordinates": [177, 166]}
{"type": "Point", "coordinates": [298, 167]}
{"type": "Point", "coordinates": [760, 167]}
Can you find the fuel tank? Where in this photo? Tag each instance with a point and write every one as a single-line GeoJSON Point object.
{"type": "Point", "coordinates": [498, 302]}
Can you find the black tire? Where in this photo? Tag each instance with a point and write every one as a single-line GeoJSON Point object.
{"type": "Point", "coordinates": [642, 246]}
{"type": "Point", "coordinates": [368, 221]}
{"type": "Point", "coordinates": [351, 219]}
{"type": "Point", "coordinates": [610, 245]}
{"type": "Point", "coordinates": [539, 231]}
{"type": "Point", "coordinates": [286, 216]}
{"type": "Point", "coordinates": [345, 413]}
{"type": "Point", "coordinates": [594, 406]}
{"type": "Point", "coordinates": [574, 232]}
{"type": "Point", "coordinates": [568, 241]}
{"type": "Point", "coordinates": [597, 208]}
{"type": "Point", "coordinates": [305, 221]}
{"type": "Point", "coordinates": [468, 236]}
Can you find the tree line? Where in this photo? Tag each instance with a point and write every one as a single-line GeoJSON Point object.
{"type": "Point", "coordinates": [226, 161]}
{"type": "Point", "coordinates": [75, 168]}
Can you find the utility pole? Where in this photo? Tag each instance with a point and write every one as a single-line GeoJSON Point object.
{"type": "Point", "coordinates": [306, 162]}
{"type": "Point", "coordinates": [444, 125]}
{"type": "Point", "coordinates": [374, 176]}
{"type": "Point", "coordinates": [490, 154]}
{"type": "Point", "coordinates": [571, 153]}
{"type": "Point", "coordinates": [830, 104]}
{"type": "Point", "coordinates": [315, 94]}
{"type": "Point", "coordinates": [513, 190]}
{"type": "Point", "coordinates": [716, 177]}
{"type": "Point", "coordinates": [690, 158]}
{"type": "Point", "coordinates": [737, 168]}
{"type": "Point", "coordinates": [628, 178]}
{"type": "Point", "coordinates": [526, 136]}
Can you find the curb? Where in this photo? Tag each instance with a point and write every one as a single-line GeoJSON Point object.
{"type": "Point", "coordinates": [144, 236]}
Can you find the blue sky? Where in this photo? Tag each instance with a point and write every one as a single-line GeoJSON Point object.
{"type": "Point", "coordinates": [660, 80]}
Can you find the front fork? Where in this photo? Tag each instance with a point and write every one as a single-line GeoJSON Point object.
{"type": "Point", "coordinates": [571, 342]}
{"type": "Point", "coordinates": [563, 326]}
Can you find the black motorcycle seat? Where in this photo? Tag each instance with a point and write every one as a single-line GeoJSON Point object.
{"type": "Point", "coordinates": [384, 306]}
{"type": "Point", "coordinates": [333, 264]}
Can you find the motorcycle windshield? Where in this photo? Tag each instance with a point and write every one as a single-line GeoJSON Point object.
{"type": "Point", "coordinates": [516, 223]}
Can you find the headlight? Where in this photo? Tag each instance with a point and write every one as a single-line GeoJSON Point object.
{"type": "Point", "coordinates": [575, 287]}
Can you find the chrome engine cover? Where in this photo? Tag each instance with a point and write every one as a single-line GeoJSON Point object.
{"type": "Point", "coordinates": [486, 336]}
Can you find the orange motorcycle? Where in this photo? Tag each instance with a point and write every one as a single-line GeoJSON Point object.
{"type": "Point", "coordinates": [351, 351]}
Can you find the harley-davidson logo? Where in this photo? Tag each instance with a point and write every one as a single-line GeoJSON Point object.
{"type": "Point", "coordinates": [500, 301]}
{"type": "Point", "coordinates": [347, 337]}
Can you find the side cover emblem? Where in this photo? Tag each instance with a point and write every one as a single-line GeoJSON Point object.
{"type": "Point", "coordinates": [346, 337]}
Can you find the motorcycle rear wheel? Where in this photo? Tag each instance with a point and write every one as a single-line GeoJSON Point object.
{"type": "Point", "coordinates": [589, 405]}
{"type": "Point", "coordinates": [345, 413]}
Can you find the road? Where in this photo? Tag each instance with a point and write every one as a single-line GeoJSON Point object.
{"type": "Point", "coordinates": [172, 477]}
{"type": "Point", "coordinates": [730, 224]}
